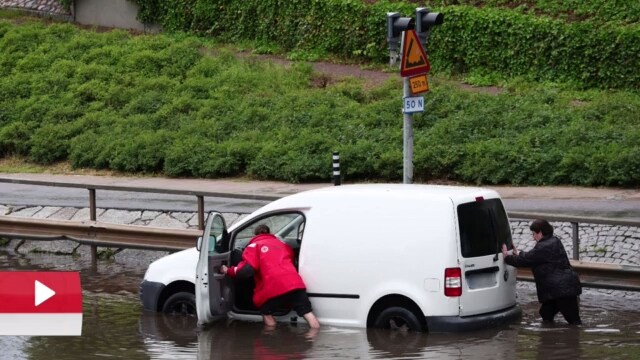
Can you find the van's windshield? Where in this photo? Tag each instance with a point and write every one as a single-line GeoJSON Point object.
{"type": "Point", "coordinates": [484, 227]}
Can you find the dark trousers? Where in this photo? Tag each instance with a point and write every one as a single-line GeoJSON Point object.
{"type": "Point", "coordinates": [567, 306]}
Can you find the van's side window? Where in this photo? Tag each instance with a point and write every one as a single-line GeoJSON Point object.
{"type": "Point", "coordinates": [484, 227]}
{"type": "Point", "coordinates": [288, 227]}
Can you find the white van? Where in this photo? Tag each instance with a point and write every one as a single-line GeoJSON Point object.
{"type": "Point", "coordinates": [420, 257]}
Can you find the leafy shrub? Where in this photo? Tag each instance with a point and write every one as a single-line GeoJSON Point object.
{"type": "Point", "coordinates": [15, 138]}
{"type": "Point", "coordinates": [50, 143]}
{"type": "Point", "coordinates": [141, 151]}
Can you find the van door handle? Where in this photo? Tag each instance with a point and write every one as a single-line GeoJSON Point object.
{"type": "Point", "coordinates": [483, 271]}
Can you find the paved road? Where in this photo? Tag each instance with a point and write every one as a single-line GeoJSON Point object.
{"type": "Point", "coordinates": [15, 194]}
{"type": "Point", "coordinates": [614, 203]}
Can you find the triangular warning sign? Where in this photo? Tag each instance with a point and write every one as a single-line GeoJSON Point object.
{"type": "Point", "coordinates": [414, 59]}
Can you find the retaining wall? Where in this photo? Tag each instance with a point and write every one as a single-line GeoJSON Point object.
{"type": "Point", "coordinates": [108, 13]}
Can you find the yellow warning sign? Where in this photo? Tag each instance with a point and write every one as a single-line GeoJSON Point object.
{"type": "Point", "coordinates": [418, 84]}
{"type": "Point", "coordinates": [414, 59]}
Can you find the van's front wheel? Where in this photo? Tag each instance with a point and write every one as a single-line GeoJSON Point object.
{"type": "Point", "coordinates": [181, 303]}
{"type": "Point", "coordinates": [398, 318]}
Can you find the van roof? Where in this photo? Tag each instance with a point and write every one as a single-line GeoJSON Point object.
{"type": "Point", "coordinates": [456, 194]}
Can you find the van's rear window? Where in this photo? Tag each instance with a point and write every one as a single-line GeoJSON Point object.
{"type": "Point", "coordinates": [484, 227]}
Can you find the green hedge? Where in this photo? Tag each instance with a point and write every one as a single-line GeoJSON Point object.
{"type": "Point", "coordinates": [587, 53]}
{"type": "Point", "coordinates": [156, 104]}
{"type": "Point", "coordinates": [471, 40]}
{"type": "Point", "coordinates": [622, 11]}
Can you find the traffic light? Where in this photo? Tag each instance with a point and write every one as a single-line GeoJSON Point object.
{"type": "Point", "coordinates": [395, 26]}
{"type": "Point", "coordinates": [425, 20]}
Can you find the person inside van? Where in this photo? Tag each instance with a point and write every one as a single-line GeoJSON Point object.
{"type": "Point", "coordinates": [278, 284]}
{"type": "Point", "coordinates": [557, 284]}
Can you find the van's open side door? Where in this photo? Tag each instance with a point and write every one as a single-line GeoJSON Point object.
{"type": "Point", "coordinates": [212, 293]}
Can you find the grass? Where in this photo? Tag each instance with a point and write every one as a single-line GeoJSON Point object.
{"type": "Point", "coordinates": [17, 164]}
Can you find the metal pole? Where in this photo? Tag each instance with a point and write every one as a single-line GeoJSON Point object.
{"type": "Point", "coordinates": [93, 217]}
{"type": "Point", "coordinates": [92, 205]}
{"type": "Point", "coordinates": [336, 168]}
{"type": "Point", "coordinates": [200, 212]}
{"type": "Point", "coordinates": [576, 241]}
{"type": "Point", "coordinates": [407, 152]}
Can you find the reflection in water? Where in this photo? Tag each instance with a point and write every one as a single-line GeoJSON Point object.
{"type": "Point", "coordinates": [114, 326]}
{"type": "Point", "coordinates": [561, 344]}
{"type": "Point", "coordinates": [240, 340]}
{"type": "Point", "coordinates": [237, 340]}
{"type": "Point", "coordinates": [169, 336]}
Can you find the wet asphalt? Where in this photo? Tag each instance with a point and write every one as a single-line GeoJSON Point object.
{"type": "Point", "coordinates": [235, 195]}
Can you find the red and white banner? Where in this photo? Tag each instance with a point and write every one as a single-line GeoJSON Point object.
{"type": "Point", "coordinates": [40, 303]}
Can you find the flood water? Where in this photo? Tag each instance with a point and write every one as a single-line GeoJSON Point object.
{"type": "Point", "coordinates": [115, 327]}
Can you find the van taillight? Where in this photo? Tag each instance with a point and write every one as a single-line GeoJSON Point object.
{"type": "Point", "coordinates": [452, 282]}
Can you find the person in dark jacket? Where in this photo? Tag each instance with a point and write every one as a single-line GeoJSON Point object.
{"type": "Point", "coordinates": [270, 262]}
{"type": "Point", "coordinates": [557, 284]}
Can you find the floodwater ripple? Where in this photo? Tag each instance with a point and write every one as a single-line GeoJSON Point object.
{"type": "Point", "coordinates": [115, 326]}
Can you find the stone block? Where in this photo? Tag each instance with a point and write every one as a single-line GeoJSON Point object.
{"type": "Point", "coordinates": [119, 216]}
{"type": "Point", "coordinates": [27, 211]}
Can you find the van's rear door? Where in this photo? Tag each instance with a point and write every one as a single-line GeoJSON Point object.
{"type": "Point", "coordinates": [487, 283]}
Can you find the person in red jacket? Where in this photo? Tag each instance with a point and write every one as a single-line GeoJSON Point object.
{"type": "Point", "coordinates": [278, 284]}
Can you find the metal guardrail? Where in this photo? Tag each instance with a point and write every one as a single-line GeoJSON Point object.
{"type": "Point", "coordinates": [200, 195]}
{"type": "Point", "coordinates": [597, 275]}
{"type": "Point", "coordinates": [99, 234]}
{"type": "Point", "coordinates": [575, 223]}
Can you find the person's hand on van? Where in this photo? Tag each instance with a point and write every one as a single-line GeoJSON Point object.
{"type": "Point", "coordinates": [223, 269]}
{"type": "Point", "coordinates": [514, 251]}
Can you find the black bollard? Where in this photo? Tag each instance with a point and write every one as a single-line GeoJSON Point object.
{"type": "Point", "coordinates": [336, 168]}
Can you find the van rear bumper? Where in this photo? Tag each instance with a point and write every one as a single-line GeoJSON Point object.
{"type": "Point", "coordinates": [475, 322]}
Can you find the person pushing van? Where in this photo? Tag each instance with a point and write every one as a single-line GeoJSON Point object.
{"type": "Point", "coordinates": [270, 262]}
{"type": "Point", "coordinates": [557, 284]}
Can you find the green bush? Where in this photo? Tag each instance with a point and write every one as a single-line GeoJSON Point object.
{"type": "Point", "coordinates": [121, 102]}
{"type": "Point", "coordinates": [570, 10]}
{"type": "Point", "coordinates": [15, 138]}
{"type": "Point", "coordinates": [140, 151]}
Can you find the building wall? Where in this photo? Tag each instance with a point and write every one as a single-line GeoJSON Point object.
{"type": "Point", "coordinates": [108, 13]}
{"type": "Point", "coordinates": [113, 13]}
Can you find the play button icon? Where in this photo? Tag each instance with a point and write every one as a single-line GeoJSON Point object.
{"type": "Point", "coordinates": [40, 303]}
{"type": "Point", "coordinates": [43, 292]}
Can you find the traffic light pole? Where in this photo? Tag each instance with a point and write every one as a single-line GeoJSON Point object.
{"type": "Point", "coordinates": [396, 27]}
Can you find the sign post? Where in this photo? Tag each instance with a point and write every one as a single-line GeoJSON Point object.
{"type": "Point", "coordinates": [414, 63]}
{"type": "Point", "coordinates": [407, 137]}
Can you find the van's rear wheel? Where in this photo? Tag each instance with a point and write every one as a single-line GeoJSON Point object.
{"type": "Point", "coordinates": [398, 318]}
{"type": "Point", "coordinates": [181, 303]}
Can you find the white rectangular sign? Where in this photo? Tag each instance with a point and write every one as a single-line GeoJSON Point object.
{"type": "Point", "coordinates": [413, 104]}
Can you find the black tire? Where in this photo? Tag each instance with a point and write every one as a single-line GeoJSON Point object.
{"type": "Point", "coordinates": [181, 303]}
{"type": "Point", "coordinates": [398, 318]}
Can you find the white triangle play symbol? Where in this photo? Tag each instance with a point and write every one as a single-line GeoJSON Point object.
{"type": "Point", "coordinates": [43, 293]}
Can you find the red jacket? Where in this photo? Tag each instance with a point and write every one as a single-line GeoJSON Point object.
{"type": "Point", "coordinates": [272, 261]}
